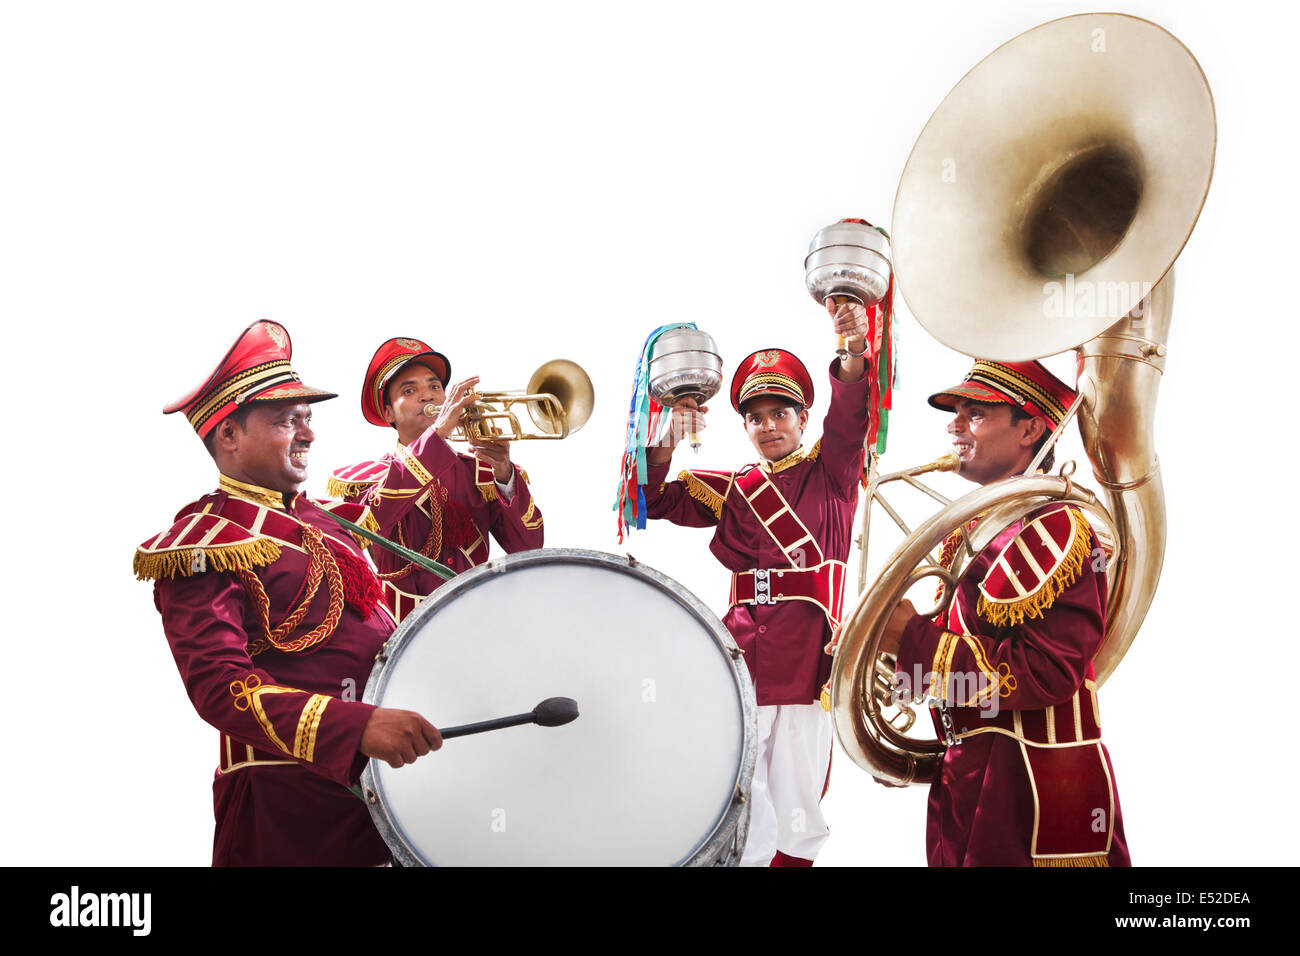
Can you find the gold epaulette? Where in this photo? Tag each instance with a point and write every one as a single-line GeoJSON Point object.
{"type": "Point", "coordinates": [352, 480]}
{"type": "Point", "coordinates": [201, 541]}
{"type": "Point", "coordinates": [1044, 559]}
{"type": "Point", "coordinates": [816, 451]}
{"type": "Point", "coordinates": [710, 487]}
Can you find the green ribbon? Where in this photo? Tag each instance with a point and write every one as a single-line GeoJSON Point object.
{"type": "Point", "coordinates": [428, 564]}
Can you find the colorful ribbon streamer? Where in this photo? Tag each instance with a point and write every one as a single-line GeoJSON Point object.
{"type": "Point", "coordinates": [642, 423]}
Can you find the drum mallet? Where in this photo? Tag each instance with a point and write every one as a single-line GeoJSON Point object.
{"type": "Point", "coordinates": [551, 712]}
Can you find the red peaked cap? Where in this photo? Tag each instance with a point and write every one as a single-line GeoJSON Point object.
{"type": "Point", "coordinates": [771, 372]}
{"type": "Point", "coordinates": [255, 371]}
{"type": "Point", "coordinates": [1028, 385]}
{"type": "Point", "coordinates": [390, 358]}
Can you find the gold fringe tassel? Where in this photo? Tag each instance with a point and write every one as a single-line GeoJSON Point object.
{"type": "Point", "coordinates": [371, 524]}
{"type": "Point", "coordinates": [1011, 613]}
{"type": "Point", "coordinates": [243, 556]}
{"type": "Point", "coordinates": [1073, 861]}
{"type": "Point", "coordinates": [335, 488]}
{"type": "Point", "coordinates": [702, 492]}
{"type": "Point", "coordinates": [489, 492]}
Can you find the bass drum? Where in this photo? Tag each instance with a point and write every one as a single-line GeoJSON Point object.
{"type": "Point", "coordinates": [655, 770]}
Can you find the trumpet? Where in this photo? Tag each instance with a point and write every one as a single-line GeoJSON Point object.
{"type": "Point", "coordinates": [559, 399]}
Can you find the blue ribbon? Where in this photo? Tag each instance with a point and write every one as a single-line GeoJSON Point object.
{"type": "Point", "coordinates": [638, 431]}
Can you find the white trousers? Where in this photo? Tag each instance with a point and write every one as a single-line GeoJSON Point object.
{"type": "Point", "coordinates": [794, 756]}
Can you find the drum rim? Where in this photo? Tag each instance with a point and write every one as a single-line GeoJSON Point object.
{"type": "Point", "coordinates": [724, 844]}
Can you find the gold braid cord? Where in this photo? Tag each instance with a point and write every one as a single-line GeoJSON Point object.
{"type": "Point", "coordinates": [947, 552]}
{"type": "Point", "coordinates": [320, 563]}
{"type": "Point", "coordinates": [432, 546]}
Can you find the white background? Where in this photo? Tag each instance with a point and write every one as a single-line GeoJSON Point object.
{"type": "Point", "coordinates": [518, 182]}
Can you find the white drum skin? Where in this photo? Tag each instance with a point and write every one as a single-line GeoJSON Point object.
{"type": "Point", "coordinates": [654, 771]}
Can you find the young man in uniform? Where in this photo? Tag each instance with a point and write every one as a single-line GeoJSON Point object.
{"type": "Point", "coordinates": [1026, 779]}
{"type": "Point", "coordinates": [274, 618]}
{"type": "Point", "coordinates": [784, 528]}
{"type": "Point", "coordinates": [448, 519]}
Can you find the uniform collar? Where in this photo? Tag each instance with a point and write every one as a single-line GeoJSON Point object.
{"type": "Point", "coordinates": [789, 461]}
{"type": "Point", "coordinates": [254, 493]}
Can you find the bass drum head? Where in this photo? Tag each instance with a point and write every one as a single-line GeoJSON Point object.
{"type": "Point", "coordinates": [653, 770]}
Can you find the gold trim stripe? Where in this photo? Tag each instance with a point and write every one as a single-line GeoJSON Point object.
{"type": "Point", "coordinates": [414, 465]}
{"type": "Point", "coordinates": [304, 740]}
{"type": "Point", "coordinates": [249, 378]}
{"type": "Point", "coordinates": [1001, 377]}
{"type": "Point", "coordinates": [1060, 745]}
{"type": "Point", "coordinates": [755, 382]}
{"type": "Point", "coordinates": [254, 493]}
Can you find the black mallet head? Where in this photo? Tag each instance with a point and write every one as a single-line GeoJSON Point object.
{"type": "Point", "coordinates": [555, 711]}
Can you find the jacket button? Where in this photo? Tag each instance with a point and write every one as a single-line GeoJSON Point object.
{"type": "Point", "coordinates": [762, 628]}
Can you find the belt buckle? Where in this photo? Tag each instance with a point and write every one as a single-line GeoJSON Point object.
{"type": "Point", "coordinates": [762, 593]}
{"type": "Point", "coordinates": [945, 721]}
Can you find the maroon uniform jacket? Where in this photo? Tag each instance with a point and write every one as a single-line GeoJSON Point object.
{"type": "Point", "coordinates": [782, 636]}
{"type": "Point", "coordinates": [286, 697]}
{"type": "Point", "coordinates": [430, 499]}
{"type": "Point", "coordinates": [1029, 781]}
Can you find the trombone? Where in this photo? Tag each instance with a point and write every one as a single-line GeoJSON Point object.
{"type": "Point", "coordinates": [559, 399]}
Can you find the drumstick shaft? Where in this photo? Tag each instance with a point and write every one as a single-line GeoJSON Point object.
{"type": "Point", "coordinates": [482, 725]}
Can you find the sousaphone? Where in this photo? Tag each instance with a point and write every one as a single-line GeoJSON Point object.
{"type": "Point", "coordinates": [1041, 210]}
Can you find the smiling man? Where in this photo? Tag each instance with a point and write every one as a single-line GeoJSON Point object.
{"type": "Point", "coordinates": [1025, 779]}
{"type": "Point", "coordinates": [783, 528]}
{"type": "Point", "coordinates": [423, 494]}
{"type": "Point", "coordinates": [274, 618]}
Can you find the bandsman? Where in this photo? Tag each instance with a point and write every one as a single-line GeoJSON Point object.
{"type": "Point", "coordinates": [783, 528]}
{"type": "Point", "coordinates": [274, 617]}
{"type": "Point", "coordinates": [1025, 779]}
{"type": "Point", "coordinates": [445, 515]}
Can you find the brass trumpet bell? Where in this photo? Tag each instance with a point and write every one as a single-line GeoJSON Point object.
{"type": "Point", "coordinates": [571, 386]}
{"type": "Point", "coordinates": [559, 399]}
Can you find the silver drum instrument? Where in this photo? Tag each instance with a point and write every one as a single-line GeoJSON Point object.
{"type": "Point", "coordinates": [848, 259]}
{"type": "Point", "coordinates": [655, 770]}
{"type": "Point", "coordinates": [685, 363]}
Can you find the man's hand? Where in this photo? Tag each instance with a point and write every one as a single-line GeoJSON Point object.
{"type": "Point", "coordinates": [458, 396]}
{"type": "Point", "coordinates": [898, 620]}
{"type": "Point", "coordinates": [398, 736]}
{"type": "Point", "coordinates": [497, 454]}
{"type": "Point", "coordinates": [687, 419]}
{"type": "Point", "coordinates": [850, 321]}
{"type": "Point", "coordinates": [834, 642]}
